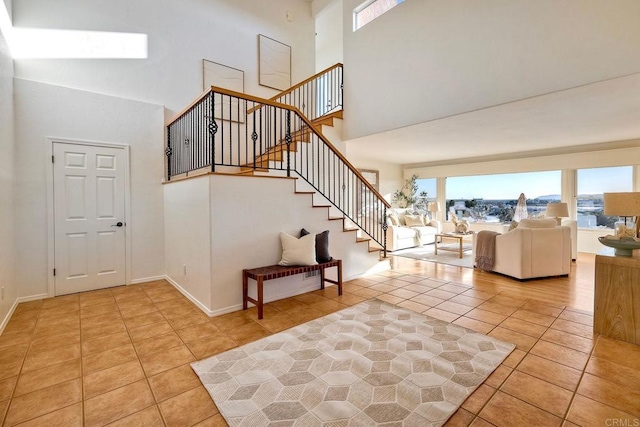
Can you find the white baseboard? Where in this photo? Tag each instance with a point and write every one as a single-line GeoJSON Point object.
{"type": "Point", "coordinates": [15, 305]}
{"type": "Point", "coordinates": [148, 279]}
{"type": "Point", "coordinates": [189, 296]}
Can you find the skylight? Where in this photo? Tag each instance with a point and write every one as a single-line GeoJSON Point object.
{"type": "Point", "coordinates": [370, 10]}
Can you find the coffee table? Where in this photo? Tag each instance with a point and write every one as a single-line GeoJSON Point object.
{"type": "Point", "coordinates": [459, 237]}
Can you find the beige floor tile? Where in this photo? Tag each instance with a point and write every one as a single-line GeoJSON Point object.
{"type": "Point", "coordinates": [327, 306]}
{"type": "Point", "coordinates": [117, 404]}
{"type": "Point", "coordinates": [211, 345]}
{"type": "Point", "coordinates": [506, 410]}
{"type": "Point", "coordinates": [427, 300]}
{"type": "Point", "coordinates": [537, 392]}
{"type": "Point", "coordinates": [109, 306]}
{"type": "Point", "coordinates": [195, 318]}
{"type": "Point", "coordinates": [6, 387]}
{"type": "Point", "coordinates": [550, 371]}
{"type": "Point", "coordinates": [523, 327]}
{"type": "Point", "coordinates": [590, 413]}
{"type": "Point", "coordinates": [48, 376]}
{"type": "Point", "coordinates": [573, 328]}
{"type": "Point", "coordinates": [486, 316]}
{"type": "Point", "coordinates": [147, 417]}
{"type": "Point", "coordinates": [454, 307]}
{"type": "Point", "coordinates": [57, 341]}
{"type": "Point", "coordinates": [533, 317]}
{"type": "Point", "coordinates": [514, 358]}
{"type": "Point", "coordinates": [150, 331]}
{"type": "Point", "coordinates": [107, 359]}
{"type": "Point", "coordinates": [460, 418]}
{"type": "Point", "coordinates": [414, 306]}
{"type": "Point", "coordinates": [494, 307]}
{"type": "Point", "coordinates": [466, 300]}
{"type": "Point", "coordinates": [188, 408]}
{"type": "Point", "coordinates": [100, 320]}
{"type": "Point", "coordinates": [498, 376]}
{"type": "Point", "coordinates": [215, 421]}
{"type": "Point", "coordinates": [102, 330]}
{"type": "Point", "coordinates": [104, 343]}
{"type": "Point", "coordinates": [138, 310]}
{"type": "Point", "coordinates": [45, 329]}
{"type": "Point", "coordinates": [476, 401]}
{"type": "Point", "coordinates": [159, 343]}
{"type": "Point", "coordinates": [564, 355]}
{"type": "Point", "coordinates": [155, 363]}
{"type": "Point", "coordinates": [510, 301]}
{"type": "Point", "coordinates": [438, 293]}
{"type": "Point", "coordinates": [44, 401]}
{"type": "Point", "coordinates": [522, 341]}
{"type": "Point", "coordinates": [474, 325]}
{"type": "Point", "coordinates": [145, 319]}
{"type": "Point", "coordinates": [445, 316]}
{"type": "Point", "coordinates": [173, 382]}
{"type": "Point", "coordinates": [278, 323]}
{"type": "Point", "coordinates": [479, 422]}
{"type": "Point", "coordinates": [475, 293]}
{"type": "Point", "coordinates": [10, 339]}
{"type": "Point", "coordinates": [540, 308]}
{"type": "Point", "coordinates": [404, 293]}
{"type": "Point", "coordinates": [247, 333]}
{"type": "Point", "coordinates": [38, 359]}
{"type": "Point", "coordinates": [573, 316]}
{"type": "Point", "coordinates": [620, 352]}
{"type": "Point", "coordinates": [71, 416]}
{"type": "Point", "coordinates": [620, 374]}
{"type": "Point", "coordinates": [348, 299]}
{"type": "Point", "coordinates": [198, 332]}
{"type": "Point", "coordinates": [109, 379]}
{"type": "Point", "coordinates": [390, 299]}
{"type": "Point", "coordinates": [566, 339]}
{"type": "Point", "coordinates": [610, 393]}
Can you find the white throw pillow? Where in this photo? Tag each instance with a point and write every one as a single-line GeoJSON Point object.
{"type": "Point", "coordinates": [538, 223]}
{"type": "Point", "coordinates": [296, 251]}
{"type": "Point", "coordinates": [413, 220]}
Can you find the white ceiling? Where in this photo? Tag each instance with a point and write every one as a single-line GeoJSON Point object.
{"type": "Point", "coordinates": [595, 113]}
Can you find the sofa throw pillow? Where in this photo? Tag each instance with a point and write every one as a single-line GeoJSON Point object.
{"type": "Point", "coordinates": [413, 220]}
{"type": "Point", "coordinates": [538, 223]}
{"type": "Point", "coordinates": [322, 245]}
{"type": "Point", "coordinates": [514, 224]}
{"type": "Point", "coordinates": [394, 220]}
{"type": "Point", "coordinates": [300, 251]}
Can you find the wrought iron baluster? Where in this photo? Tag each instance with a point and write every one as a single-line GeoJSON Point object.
{"type": "Point", "coordinates": [213, 129]}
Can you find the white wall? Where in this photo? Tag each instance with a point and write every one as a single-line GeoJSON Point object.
{"type": "Point", "coordinates": [329, 35]}
{"type": "Point", "coordinates": [180, 35]}
{"type": "Point", "coordinates": [247, 215]}
{"type": "Point", "coordinates": [42, 111]}
{"type": "Point", "coordinates": [390, 174]}
{"type": "Point", "coordinates": [187, 228]}
{"type": "Point", "coordinates": [7, 181]}
{"type": "Point", "coordinates": [424, 60]}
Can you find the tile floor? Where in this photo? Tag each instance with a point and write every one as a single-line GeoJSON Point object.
{"type": "Point", "coordinates": [121, 356]}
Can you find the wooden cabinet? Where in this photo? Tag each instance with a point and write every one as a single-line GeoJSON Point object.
{"type": "Point", "coordinates": [617, 297]}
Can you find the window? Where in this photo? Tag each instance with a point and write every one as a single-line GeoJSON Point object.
{"type": "Point", "coordinates": [493, 198]}
{"type": "Point", "coordinates": [370, 10]}
{"type": "Point", "coordinates": [592, 183]}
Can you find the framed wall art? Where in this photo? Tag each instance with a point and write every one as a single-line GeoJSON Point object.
{"type": "Point", "coordinates": [214, 74]}
{"type": "Point", "coordinates": [274, 59]}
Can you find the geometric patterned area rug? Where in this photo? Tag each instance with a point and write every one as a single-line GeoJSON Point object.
{"type": "Point", "coordinates": [426, 253]}
{"type": "Point", "coordinates": [370, 364]}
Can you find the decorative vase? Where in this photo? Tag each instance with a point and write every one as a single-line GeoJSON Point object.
{"type": "Point", "coordinates": [462, 227]}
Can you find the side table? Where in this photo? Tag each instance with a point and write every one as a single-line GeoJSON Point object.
{"type": "Point", "coordinates": [616, 311]}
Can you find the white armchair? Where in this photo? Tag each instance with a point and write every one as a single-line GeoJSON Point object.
{"type": "Point", "coordinates": [536, 248]}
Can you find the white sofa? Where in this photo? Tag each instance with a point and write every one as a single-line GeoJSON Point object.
{"type": "Point", "coordinates": [403, 237]}
{"type": "Point", "coordinates": [536, 248]}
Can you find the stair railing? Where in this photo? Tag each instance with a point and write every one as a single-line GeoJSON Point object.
{"type": "Point", "coordinates": [223, 128]}
{"type": "Point", "coordinates": [316, 96]}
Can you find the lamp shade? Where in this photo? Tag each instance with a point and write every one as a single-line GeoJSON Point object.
{"type": "Point", "coordinates": [622, 204]}
{"type": "Point", "coordinates": [433, 207]}
{"type": "Point", "coordinates": [557, 210]}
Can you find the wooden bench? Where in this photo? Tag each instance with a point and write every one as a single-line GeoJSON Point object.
{"type": "Point", "coordinates": [261, 274]}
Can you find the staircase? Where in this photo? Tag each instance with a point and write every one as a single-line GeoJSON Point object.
{"type": "Point", "coordinates": [226, 131]}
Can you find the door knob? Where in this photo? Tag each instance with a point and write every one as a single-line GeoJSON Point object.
{"type": "Point", "coordinates": [118, 224]}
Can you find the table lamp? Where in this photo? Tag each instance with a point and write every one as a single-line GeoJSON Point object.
{"type": "Point", "coordinates": [622, 205]}
{"type": "Point", "coordinates": [433, 207]}
{"type": "Point", "coordinates": [557, 211]}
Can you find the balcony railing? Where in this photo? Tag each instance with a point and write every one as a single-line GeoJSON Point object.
{"type": "Point", "coordinates": [231, 129]}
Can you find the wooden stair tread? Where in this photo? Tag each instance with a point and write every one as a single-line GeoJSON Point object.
{"type": "Point", "coordinates": [305, 192]}
{"type": "Point", "coordinates": [335, 218]}
{"type": "Point", "coordinates": [362, 239]}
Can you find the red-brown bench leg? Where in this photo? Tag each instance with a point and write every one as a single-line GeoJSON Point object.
{"type": "Point", "coordinates": [339, 277]}
{"type": "Point", "coordinates": [260, 300]}
{"type": "Point", "coordinates": [322, 278]}
{"type": "Point", "coordinates": [245, 289]}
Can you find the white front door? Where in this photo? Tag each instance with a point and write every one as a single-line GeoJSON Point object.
{"type": "Point", "coordinates": [89, 215]}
